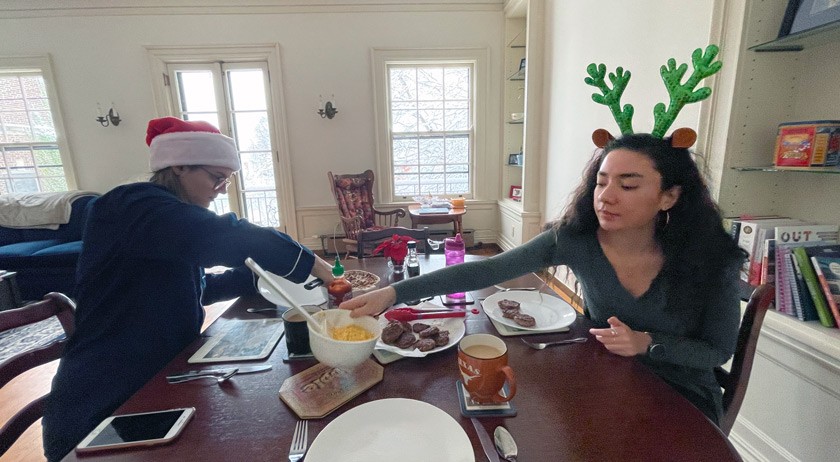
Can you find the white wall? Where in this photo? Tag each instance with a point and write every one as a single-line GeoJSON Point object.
{"type": "Point", "coordinates": [640, 36]}
{"type": "Point", "coordinates": [101, 57]}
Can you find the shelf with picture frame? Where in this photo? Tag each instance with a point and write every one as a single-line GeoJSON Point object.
{"type": "Point", "coordinates": [520, 218]}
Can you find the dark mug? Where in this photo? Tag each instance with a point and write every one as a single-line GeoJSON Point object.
{"type": "Point", "coordinates": [297, 334]}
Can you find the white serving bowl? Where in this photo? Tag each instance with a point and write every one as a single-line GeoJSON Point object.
{"type": "Point", "coordinates": [339, 353]}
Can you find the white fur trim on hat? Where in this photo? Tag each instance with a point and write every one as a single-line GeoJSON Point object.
{"type": "Point", "coordinates": [193, 148]}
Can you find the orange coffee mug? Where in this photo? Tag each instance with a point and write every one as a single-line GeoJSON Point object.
{"type": "Point", "coordinates": [483, 362]}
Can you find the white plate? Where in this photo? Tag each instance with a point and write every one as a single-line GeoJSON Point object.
{"type": "Point", "coordinates": [548, 311]}
{"type": "Point", "coordinates": [455, 326]}
{"type": "Point", "coordinates": [393, 429]}
{"type": "Point", "coordinates": [301, 295]}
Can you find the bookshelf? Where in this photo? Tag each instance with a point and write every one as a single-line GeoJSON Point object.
{"type": "Point", "coordinates": [793, 400]}
{"type": "Point", "coordinates": [520, 219]}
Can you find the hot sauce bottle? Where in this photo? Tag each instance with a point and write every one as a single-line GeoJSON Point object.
{"type": "Point", "coordinates": [339, 289]}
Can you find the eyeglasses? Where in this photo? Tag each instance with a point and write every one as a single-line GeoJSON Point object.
{"type": "Point", "coordinates": [219, 181]}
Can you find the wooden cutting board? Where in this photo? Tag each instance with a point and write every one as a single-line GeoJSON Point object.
{"type": "Point", "coordinates": [319, 390]}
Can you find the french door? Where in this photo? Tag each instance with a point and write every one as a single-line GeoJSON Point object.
{"type": "Point", "coordinates": [235, 97]}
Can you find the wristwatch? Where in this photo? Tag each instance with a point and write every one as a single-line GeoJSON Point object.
{"type": "Point", "coordinates": [653, 346]}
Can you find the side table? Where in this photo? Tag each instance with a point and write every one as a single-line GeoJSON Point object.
{"type": "Point", "coordinates": [453, 216]}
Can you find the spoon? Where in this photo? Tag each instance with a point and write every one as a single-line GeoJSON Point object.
{"type": "Point", "coordinates": [505, 444]}
{"type": "Point", "coordinates": [260, 310]}
{"type": "Point", "coordinates": [508, 289]}
{"type": "Point", "coordinates": [540, 346]}
{"type": "Point", "coordinates": [261, 272]}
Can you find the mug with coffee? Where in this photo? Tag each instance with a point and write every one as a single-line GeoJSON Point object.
{"type": "Point", "coordinates": [297, 334]}
{"type": "Point", "coordinates": [483, 362]}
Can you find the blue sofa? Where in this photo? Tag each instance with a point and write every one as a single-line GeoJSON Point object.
{"type": "Point", "coordinates": [45, 259]}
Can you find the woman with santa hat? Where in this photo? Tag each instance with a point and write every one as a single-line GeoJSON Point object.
{"type": "Point", "coordinates": [141, 285]}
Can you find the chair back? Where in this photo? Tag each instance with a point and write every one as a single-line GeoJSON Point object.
{"type": "Point", "coordinates": [354, 195]}
{"type": "Point", "coordinates": [368, 240]}
{"type": "Point", "coordinates": [734, 382]}
{"type": "Point", "coordinates": [53, 304]}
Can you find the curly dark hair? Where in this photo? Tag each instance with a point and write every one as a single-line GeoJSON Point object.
{"type": "Point", "coordinates": [695, 245]}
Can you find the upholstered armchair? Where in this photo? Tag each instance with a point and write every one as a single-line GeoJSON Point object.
{"type": "Point", "coordinates": [354, 196]}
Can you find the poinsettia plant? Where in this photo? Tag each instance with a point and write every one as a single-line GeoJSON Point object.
{"type": "Point", "coordinates": [395, 248]}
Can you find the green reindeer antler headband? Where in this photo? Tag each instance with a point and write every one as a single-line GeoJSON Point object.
{"type": "Point", "coordinates": [680, 93]}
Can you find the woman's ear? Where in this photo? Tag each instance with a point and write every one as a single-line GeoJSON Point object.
{"type": "Point", "coordinates": [669, 197]}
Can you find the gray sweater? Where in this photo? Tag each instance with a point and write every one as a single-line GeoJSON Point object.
{"type": "Point", "coordinates": [691, 344]}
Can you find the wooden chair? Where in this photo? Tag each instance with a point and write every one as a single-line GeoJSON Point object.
{"type": "Point", "coordinates": [353, 194]}
{"type": "Point", "coordinates": [734, 382]}
{"type": "Point", "coordinates": [53, 304]}
{"type": "Point", "coordinates": [370, 239]}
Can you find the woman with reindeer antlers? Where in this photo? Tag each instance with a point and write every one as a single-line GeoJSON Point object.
{"type": "Point", "coordinates": [658, 272]}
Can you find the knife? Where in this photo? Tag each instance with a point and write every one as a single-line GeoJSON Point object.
{"type": "Point", "coordinates": [486, 441]}
{"type": "Point", "coordinates": [405, 314]}
{"type": "Point", "coordinates": [242, 370]}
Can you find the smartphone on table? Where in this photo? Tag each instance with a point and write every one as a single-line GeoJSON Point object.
{"type": "Point", "coordinates": [133, 430]}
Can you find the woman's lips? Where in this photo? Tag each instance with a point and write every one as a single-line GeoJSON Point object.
{"type": "Point", "coordinates": [607, 215]}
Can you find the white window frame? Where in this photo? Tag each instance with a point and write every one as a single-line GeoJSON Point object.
{"type": "Point", "coordinates": [43, 63]}
{"type": "Point", "coordinates": [161, 56]}
{"type": "Point", "coordinates": [380, 59]}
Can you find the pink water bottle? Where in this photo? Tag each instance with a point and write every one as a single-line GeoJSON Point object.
{"type": "Point", "coordinates": [453, 249]}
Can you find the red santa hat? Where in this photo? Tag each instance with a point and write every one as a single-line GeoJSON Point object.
{"type": "Point", "coordinates": [181, 142]}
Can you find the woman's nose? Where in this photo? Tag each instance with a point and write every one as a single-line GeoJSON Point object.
{"type": "Point", "coordinates": [607, 194]}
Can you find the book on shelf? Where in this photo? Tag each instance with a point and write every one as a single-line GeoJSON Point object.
{"type": "Point", "coordinates": [783, 300]}
{"type": "Point", "coordinates": [768, 262]}
{"type": "Point", "coordinates": [813, 285]}
{"type": "Point", "coordinates": [807, 232]}
{"type": "Point", "coordinates": [788, 297]}
{"type": "Point", "coordinates": [828, 273]}
{"type": "Point", "coordinates": [749, 238]}
{"type": "Point", "coordinates": [804, 304]}
{"type": "Point", "coordinates": [733, 224]}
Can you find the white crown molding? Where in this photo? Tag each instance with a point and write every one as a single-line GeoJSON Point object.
{"type": "Point", "coordinates": [47, 8]}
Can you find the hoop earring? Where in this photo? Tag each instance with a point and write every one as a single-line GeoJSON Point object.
{"type": "Point", "coordinates": [667, 218]}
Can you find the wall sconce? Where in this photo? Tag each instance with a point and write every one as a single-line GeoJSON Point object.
{"type": "Point", "coordinates": [328, 109]}
{"type": "Point", "coordinates": [111, 118]}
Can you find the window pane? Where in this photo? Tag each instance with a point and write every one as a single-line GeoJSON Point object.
{"type": "Point", "coordinates": [210, 117]}
{"type": "Point", "coordinates": [196, 88]}
{"type": "Point", "coordinates": [247, 90]}
{"type": "Point", "coordinates": [257, 171]}
{"type": "Point", "coordinates": [423, 125]}
{"type": "Point", "coordinates": [429, 83]}
{"type": "Point", "coordinates": [251, 131]}
{"type": "Point", "coordinates": [403, 84]}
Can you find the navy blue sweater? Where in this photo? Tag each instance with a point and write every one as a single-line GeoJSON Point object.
{"type": "Point", "coordinates": [140, 291]}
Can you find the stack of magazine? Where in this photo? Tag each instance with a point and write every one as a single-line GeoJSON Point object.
{"type": "Point", "coordinates": [801, 259]}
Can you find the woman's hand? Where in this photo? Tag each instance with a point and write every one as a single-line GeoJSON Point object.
{"type": "Point", "coordinates": [371, 303]}
{"type": "Point", "coordinates": [621, 339]}
{"type": "Point", "coordinates": [322, 270]}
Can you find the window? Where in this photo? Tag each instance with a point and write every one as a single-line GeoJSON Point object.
{"type": "Point", "coordinates": [32, 152]}
{"type": "Point", "coordinates": [430, 128]}
{"type": "Point", "coordinates": [237, 89]}
{"type": "Point", "coordinates": [430, 122]}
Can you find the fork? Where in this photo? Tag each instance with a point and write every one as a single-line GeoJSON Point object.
{"type": "Point", "coordinates": [299, 441]}
{"type": "Point", "coordinates": [541, 346]}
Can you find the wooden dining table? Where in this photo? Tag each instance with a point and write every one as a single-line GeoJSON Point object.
{"type": "Point", "coordinates": [574, 402]}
